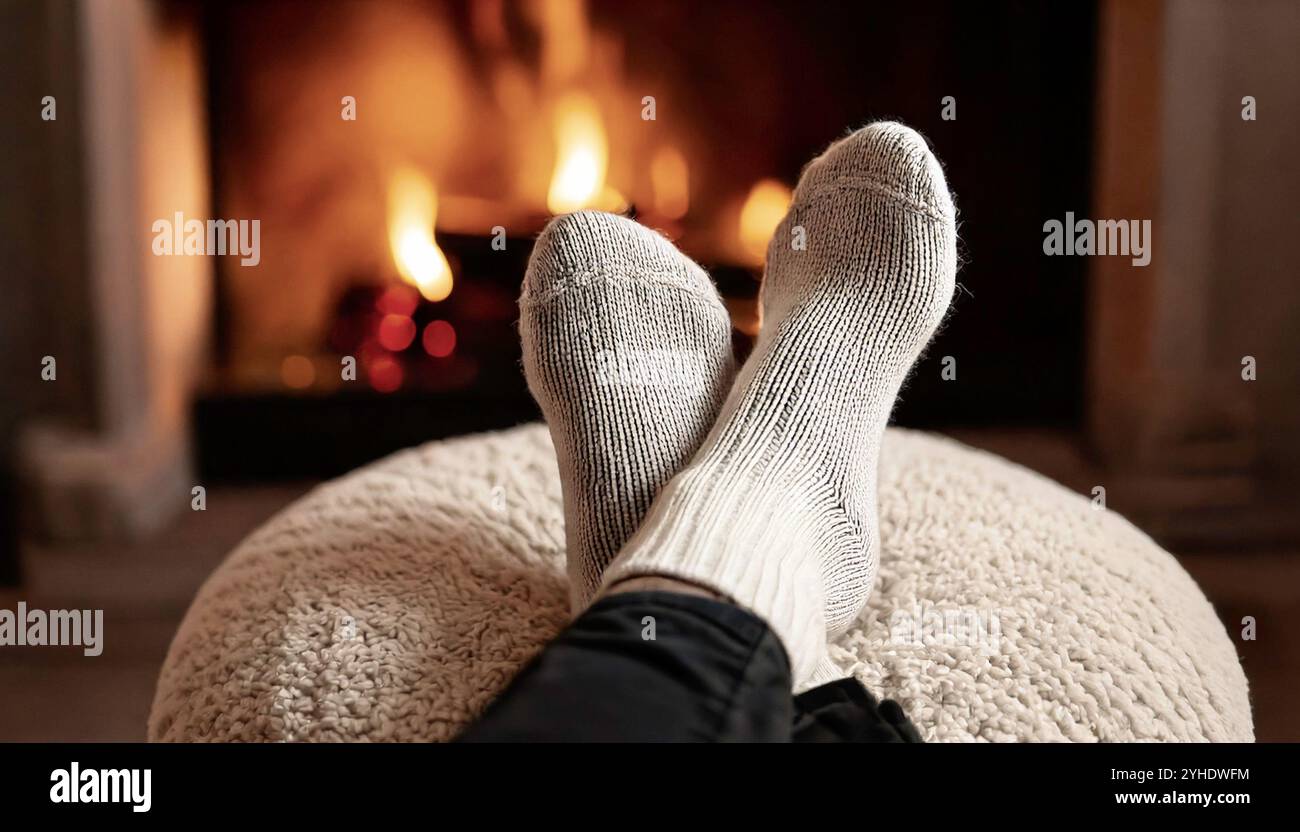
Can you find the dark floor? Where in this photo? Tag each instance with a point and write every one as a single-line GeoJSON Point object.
{"type": "Point", "coordinates": [145, 588]}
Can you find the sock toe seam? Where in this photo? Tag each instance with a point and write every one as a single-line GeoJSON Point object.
{"type": "Point", "coordinates": [863, 183]}
{"type": "Point", "coordinates": [588, 277]}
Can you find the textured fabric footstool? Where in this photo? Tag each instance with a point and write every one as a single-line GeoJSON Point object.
{"type": "Point", "coordinates": [396, 602]}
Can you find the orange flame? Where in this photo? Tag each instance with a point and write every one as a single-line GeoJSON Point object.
{"type": "Point", "coordinates": [763, 211]}
{"type": "Point", "coordinates": [582, 156]}
{"type": "Point", "coordinates": [412, 214]}
{"type": "Point", "coordinates": [670, 180]}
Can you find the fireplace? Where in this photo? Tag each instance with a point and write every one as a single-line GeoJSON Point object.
{"type": "Point", "coordinates": [401, 157]}
{"type": "Point", "coordinates": [398, 157]}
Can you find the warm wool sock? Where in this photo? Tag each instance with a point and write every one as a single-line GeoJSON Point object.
{"type": "Point", "coordinates": [778, 509]}
{"type": "Point", "coordinates": [627, 348]}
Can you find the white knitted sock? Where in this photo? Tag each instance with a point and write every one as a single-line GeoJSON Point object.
{"type": "Point", "coordinates": [627, 349]}
{"type": "Point", "coordinates": [778, 509]}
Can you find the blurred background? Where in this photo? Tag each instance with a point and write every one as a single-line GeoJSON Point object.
{"type": "Point", "coordinates": [401, 155]}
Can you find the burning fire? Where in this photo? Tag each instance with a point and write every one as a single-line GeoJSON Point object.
{"type": "Point", "coordinates": [412, 213]}
{"type": "Point", "coordinates": [763, 211]}
{"type": "Point", "coordinates": [670, 179]}
{"type": "Point", "coordinates": [582, 155]}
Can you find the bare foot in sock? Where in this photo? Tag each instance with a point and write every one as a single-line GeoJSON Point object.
{"type": "Point", "coordinates": [777, 511]}
{"type": "Point", "coordinates": [627, 349]}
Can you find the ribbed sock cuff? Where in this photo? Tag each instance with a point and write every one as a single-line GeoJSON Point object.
{"type": "Point", "coordinates": [759, 559]}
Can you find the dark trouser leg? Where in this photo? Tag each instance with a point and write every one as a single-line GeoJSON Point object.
{"type": "Point", "coordinates": [844, 711]}
{"type": "Point", "coordinates": [659, 666]}
{"type": "Point", "coordinates": [711, 672]}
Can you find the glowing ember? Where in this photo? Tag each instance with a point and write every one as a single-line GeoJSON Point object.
{"type": "Point", "coordinates": [582, 154]}
{"type": "Point", "coordinates": [385, 374]}
{"type": "Point", "coordinates": [412, 213]}
{"type": "Point", "coordinates": [396, 332]}
{"type": "Point", "coordinates": [398, 299]}
{"type": "Point", "coordinates": [764, 209]}
{"type": "Point", "coordinates": [439, 339]}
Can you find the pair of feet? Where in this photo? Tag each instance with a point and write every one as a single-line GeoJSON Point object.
{"type": "Point", "coordinates": [757, 483]}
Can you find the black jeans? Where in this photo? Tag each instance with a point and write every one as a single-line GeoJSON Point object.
{"type": "Point", "coordinates": [660, 666]}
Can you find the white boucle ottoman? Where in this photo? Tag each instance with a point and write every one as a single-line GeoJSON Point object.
{"type": "Point", "coordinates": [396, 602]}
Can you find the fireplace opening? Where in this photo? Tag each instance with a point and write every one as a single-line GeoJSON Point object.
{"type": "Point", "coordinates": [401, 157]}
